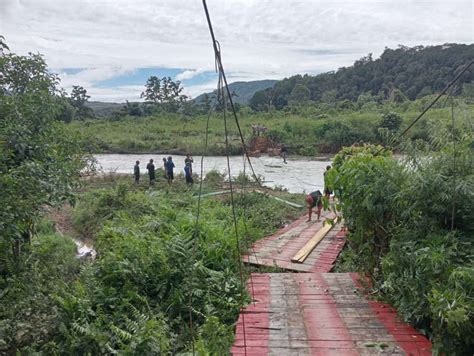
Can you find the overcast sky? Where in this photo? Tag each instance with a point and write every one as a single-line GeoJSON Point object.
{"type": "Point", "coordinates": [112, 46]}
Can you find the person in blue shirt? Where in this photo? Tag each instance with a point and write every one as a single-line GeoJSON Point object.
{"type": "Point", "coordinates": [169, 169]}
{"type": "Point", "coordinates": [188, 173]}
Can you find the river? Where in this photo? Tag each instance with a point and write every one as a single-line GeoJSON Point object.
{"type": "Point", "coordinates": [297, 176]}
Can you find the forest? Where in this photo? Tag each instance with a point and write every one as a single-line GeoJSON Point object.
{"type": "Point", "coordinates": [399, 74]}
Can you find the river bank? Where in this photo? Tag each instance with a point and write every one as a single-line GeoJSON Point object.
{"type": "Point", "coordinates": [296, 176]}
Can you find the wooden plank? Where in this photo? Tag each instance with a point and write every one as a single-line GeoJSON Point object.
{"type": "Point", "coordinates": [311, 244]}
{"type": "Point", "coordinates": [213, 194]}
{"type": "Point", "coordinates": [294, 205]}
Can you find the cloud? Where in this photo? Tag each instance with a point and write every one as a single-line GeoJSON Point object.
{"type": "Point", "coordinates": [259, 38]}
{"type": "Point", "coordinates": [189, 74]}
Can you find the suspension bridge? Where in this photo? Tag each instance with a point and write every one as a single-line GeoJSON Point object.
{"type": "Point", "coordinates": [316, 312]}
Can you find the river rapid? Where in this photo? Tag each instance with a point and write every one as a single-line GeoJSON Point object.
{"type": "Point", "coordinates": [299, 175]}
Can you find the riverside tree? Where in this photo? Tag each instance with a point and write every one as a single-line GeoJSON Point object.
{"type": "Point", "coordinates": [164, 92]}
{"type": "Point", "coordinates": [39, 161]}
{"type": "Point", "coordinates": [78, 100]}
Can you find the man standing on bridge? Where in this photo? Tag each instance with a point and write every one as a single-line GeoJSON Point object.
{"type": "Point", "coordinates": [314, 199]}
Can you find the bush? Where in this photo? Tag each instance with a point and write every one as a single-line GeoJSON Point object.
{"type": "Point", "coordinates": [411, 229]}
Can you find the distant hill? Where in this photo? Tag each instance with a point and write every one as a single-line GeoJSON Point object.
{"type": "Point", "coordinates": [404, 72]}
{"type": "Point", "coordinates": [244, 91]}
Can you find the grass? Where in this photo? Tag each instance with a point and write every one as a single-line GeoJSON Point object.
{"type": "Point", "coordinates": [305, 130]}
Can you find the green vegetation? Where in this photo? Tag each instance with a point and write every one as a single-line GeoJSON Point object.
{"type": "Point", "coordinates": [311, 115]}
{"type": "Point", "coordinates": [39, 160]}
{"type": "Point", "coordinates": [242, 92]}
{"type": "Point", "coordinates": [398, 74]}
{"type": "Point", "coordinates": [411, 228]}
{"type": "Point", "coordinates": [156, 268]}
{"type": "Point", "coordinates": [134, 297]}
{"type": "Point", "coordinates": [306, 130]}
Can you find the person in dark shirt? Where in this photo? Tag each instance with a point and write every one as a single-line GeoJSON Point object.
{"type": "Point", "coordinates": [314, 199]}
{"type": "Point", "coordinates": [283, 152]}
{"type": "Point", "coordinates": [136, 172]}
{"type": "Point", "coordinates": [188, 173]}
{"type": "Point", "coordinates": [151, 171]}
{"type": "Point", "coordinates": [327, 191]}
{"type": "Point", "coordinates": [189, 160]}
{"type": "Point", "coordinates": [164, 167]}
{"type": "Point", "coordinates": [169, 168]}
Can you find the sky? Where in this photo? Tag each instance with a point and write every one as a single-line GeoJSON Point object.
{"type": "Point", "coordinates": [111, 47]}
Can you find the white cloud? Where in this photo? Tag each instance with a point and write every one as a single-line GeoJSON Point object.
{"type": "Point", "coordinates": [189, 74]}
{"type": "Point", "coordinates": [259, 38]}
{"type": "Point", "coordinates": [117, 94]}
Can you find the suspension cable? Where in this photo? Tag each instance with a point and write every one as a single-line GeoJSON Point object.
{"type": "Point", "coordinates": [454, 162]}
{"type": "Point", "coordinates": [222, 98]}
{"type": "Point", "coordinates": [195, 235]}
{"type": "Point", "coordinates": [231, 102]}
{"type": "Point", "coordinates": [446, 88]}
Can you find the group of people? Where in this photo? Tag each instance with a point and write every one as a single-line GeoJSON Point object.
{"type": "Point", "coordinates": [168, 168]}
{"type": "Point", "coordinates": [313, 199]}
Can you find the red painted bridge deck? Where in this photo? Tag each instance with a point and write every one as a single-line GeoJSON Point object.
{"type": "Point", "coordinates": [320, 314]}
{"type": "Point", "coordinates": [278, 249]}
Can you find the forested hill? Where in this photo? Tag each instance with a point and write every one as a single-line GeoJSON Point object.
{"type": "Point", "coordinates": [243, 91]}
{"type": "Point", "coordinates": [414, 72]}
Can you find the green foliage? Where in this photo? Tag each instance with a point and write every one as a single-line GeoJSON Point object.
{"type": "Point", "coordinates": [164, 92]}
{"type": "Point", "coordinates": [78, 100]}
{"type": "Point", "coordinates": [429, 277]}
{"type": "Point", "coordinates": [306, 129]}
{"type": "Point", "coordinates": [411, 228]}
{"type": "Point", "coordinates": [260, 101]}
{"type": "Point", "coordinates": [29, 313]}
{"type": "Point", "coordinates": [214, 338]}
{"type": "Point", "coordinates": [39, 160]}
{"type": "Point", "coordinates": [366, 183]}
{"type": "Point", "coordinates": [151, 264]}
{"type": "Point", "coordinates": [398, 74]}
{"type": "Point", "coordinates": [299, 94]}
{"type": "Point", "coordinates": [95, 207]}
{"type": "Point", "coordinates": [391, 121]}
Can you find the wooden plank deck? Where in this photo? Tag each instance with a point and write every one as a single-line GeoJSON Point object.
{"type": "Point", "coordinates": [278, 249]}
{"type": "Point", "coordinates": [320, 314]}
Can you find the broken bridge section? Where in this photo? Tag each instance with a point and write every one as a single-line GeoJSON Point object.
{"type": "Point", "coordinates": [320, 314]}
{"type": "Point", "coordinates": [279, 249]}
{"type": "Point", "coordinates": [315, 313]}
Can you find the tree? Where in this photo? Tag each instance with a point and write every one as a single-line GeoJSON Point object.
{"type": "Point", "coordinates": [164, 92]}
{"type": "Point", "coordinates": [78, 100]}
{"type": "Point", "coordinates": [260, 101]}
{"type": "Point", "coordinates": [39, 160]}
{"type": "Point", "coordinates": [299, 94]}
{"type": "Point", "coordinates": [133, 109]}
{"type": "Point", "coordinates": [397, 96]}
{"type": "Point", "coordinates": [66, 112]}
{"type": "Point", "coordinates": [391, 121]}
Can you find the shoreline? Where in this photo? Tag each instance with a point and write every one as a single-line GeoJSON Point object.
{"type": "Point", "coordinates": [322, 158]}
